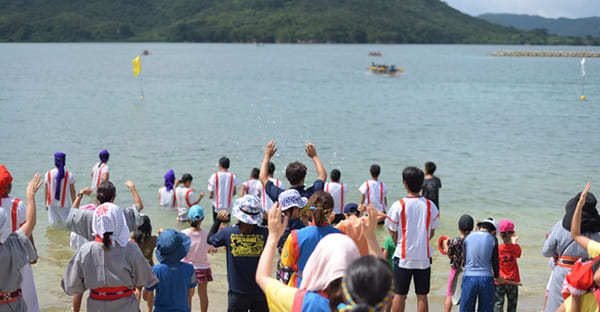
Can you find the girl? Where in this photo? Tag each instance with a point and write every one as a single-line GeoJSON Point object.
{"type": "Point", "coordinates": [110, 266]}
{"type": "Point", "coordinates": [300, 243]}
{"type": "Point", "coordinates": [197, 255]}
{"type": "Point", "coordinates": [59, 191]}
{"type": "Point", "coordinates": [185, 197]}
{"type": "Point", "coordinates": [508, 252]}
{"type": "Point", "coordinates": [166, 194]}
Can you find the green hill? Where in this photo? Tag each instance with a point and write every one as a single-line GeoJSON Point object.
{"type": "Point", "coordinates": [336, 21]}
{"type": "Point", "coordinates": [578, 27]}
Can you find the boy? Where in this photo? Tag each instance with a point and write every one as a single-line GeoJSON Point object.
{"type": "Point", "coordinates": [100, 170]}
{"type": "Point", "coordinates": [267, 203]}
{"type": "Point", "coordinates": [244, 242]}
{"type": "Point", "coordinates": [222, 187]}
{"type": "Point", "coordinates": [338, 191]}
{"type": "Point", "coordinates": [411, 222]}
{"type": "Point", "coordinates": [185, 197]}
{"type": "Point", "coordinates": [431, 184]}
{"type": "Point", "coordinates": [253, 186]}
{"type": "Point", "coordinates": [177, 279]}
{"type": "Point", "coordinates": [480, 249]}
{"type": "Point", "coordinates": [375, 192]}
{"type": "Point", "coordinates": [295, 172]}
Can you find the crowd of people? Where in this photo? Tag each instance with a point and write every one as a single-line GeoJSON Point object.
{"type": "Point", "coordinates": [295, 249]}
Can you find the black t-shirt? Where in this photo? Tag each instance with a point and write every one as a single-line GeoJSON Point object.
{"type": "Point", "coordinates": [431, 189]}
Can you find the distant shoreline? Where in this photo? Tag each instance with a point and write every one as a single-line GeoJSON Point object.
{"type": "Point", "coordinates": [546, 53]}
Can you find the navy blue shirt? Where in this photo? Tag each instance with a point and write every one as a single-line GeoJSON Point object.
{"type": "Point", "coordinates": [243, 252]}
{"type": "Point", "coordinates": [176, 279]}
{"type": "Point", "coordinates": [274, 191]}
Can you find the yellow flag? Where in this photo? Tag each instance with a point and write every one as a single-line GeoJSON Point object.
{"type": "Point", "coordinates": [137, 66]}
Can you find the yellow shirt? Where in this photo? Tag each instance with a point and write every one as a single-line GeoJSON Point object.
{"type": "Point", "coordinates": [280, 297]}
{"type": "Point", "coordinates": [588, 303]}
{"type": "Point", "coordinates": [593, 249]}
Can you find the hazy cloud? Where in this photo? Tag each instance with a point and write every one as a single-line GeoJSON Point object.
{"type": "Point", "coordinates": [546, 8]}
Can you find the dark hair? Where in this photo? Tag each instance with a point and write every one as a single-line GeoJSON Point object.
{"type": "Point", "coordinates": [430, 167]}
{"type": "Point", "coordinates": [486, 225]}
{"type": "Point", "coordinates": [323, 202]}
{"type": "Point", "coordinates": [335, 292]}
{"type": "Point", "coordinates": [507, 237]}
{"type": "Point", "coordinates": [144, 231]}
{"type": "Point", "coordinates": [413, 177]}
{"type": "Point", "coordinates": [271, 168]}
{"type": "Point", "coordinates": [335, 175]}
{"type": "Point", "coordinates": [375, 170]}
{"type": "Point", "coordinates": [254, 173]}
{"type": "Point", "coordinates": [295, 172]}
{"type": "Point", "coordinates": [224, 162]}
{"type": "Point", "coordinates": [106, 240]}
{"type": "Point", "coordinates": [196, 223]}
{"type": "Point", "coordinates": [105, 192]}
{"type": "Point", "coordinates": [186, 177]}
{"type": "Point", "coordinates": [371, 271]}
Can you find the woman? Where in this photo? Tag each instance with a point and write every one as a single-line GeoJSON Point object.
{"type": "Point", "coordinates": [111, 266]}
{"type": "Point", "coordinates": [300, 243]}
{"type": "Point", "coordinates": [59, 191]}
{"type": "Point", "coordinates": [321, 289]}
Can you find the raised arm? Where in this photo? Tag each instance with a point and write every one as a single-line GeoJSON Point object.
{"type": "Point", "coordinates": [136, 195]}
{"type": "Point", "coordinates": [311, 151]}
{"type": "Point", "coordinates": [265, 264]}
{"type": "Point", "coordinates": [370, 224]}
{"type": "Point", "coordinates": [32, 187]}
{"type": "Point", "coordinates": [270, 150]}
{"type": "Point", "coordinates": [77, 201]}
{"type": "Point", "coordinates": [576, 222]}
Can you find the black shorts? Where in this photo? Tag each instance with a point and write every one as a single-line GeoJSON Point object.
{"type": "Point", "coordinates": [403, 276]}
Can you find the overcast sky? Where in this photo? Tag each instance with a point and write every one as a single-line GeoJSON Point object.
{"type": "Point", "coordinates": [545, 8]}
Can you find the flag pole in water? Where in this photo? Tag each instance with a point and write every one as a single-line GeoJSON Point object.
{"type": "Point", "coordinates": [583, 78]}
{"type": "Point", "coordinates": [137, 69]}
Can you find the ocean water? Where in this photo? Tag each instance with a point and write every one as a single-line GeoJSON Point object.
{"type": "Point", "coordinates": [510, 136]}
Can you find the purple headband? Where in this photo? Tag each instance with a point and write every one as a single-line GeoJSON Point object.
{"type": "Point", "coordinates": [59, 162]}
{"type": "Point", "coordinates": [169, 180]}
{"type": "Point", "coordinates": [104, 156]}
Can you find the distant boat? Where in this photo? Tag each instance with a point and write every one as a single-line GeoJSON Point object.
{"type": "Point", "coordinates": [146, 52]}
{"type": "Point", "coordinates": [375, 53]}
{"type": "Point", "coordinates": [382, 69]}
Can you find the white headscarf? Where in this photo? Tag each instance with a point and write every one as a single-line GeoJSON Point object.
{"type": "Point", "coordinates": [108, 217]}
{"type": "Point", "coordinates": [328, 261]}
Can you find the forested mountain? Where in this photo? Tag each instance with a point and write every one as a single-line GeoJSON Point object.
{"type": "Point", "coordinates": [579, 27]}
{"type": "Point", "coordinates": [336, 21]}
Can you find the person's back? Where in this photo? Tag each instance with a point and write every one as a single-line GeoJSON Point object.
{"type": "Point", "coordinates": [185, 197]}
{"type": "Point", "coordinates": [222, 187]}
{"type": "Point", "coordinates": [100, 171]}
{"type": "Point", "coordinates": [166, 194]}
{"type": "Point", "coordinates": [478, 248]}
{"type": "Point", "coordinates": [431, 184]}
{"type": "Point", "coordinates": [338, 191]}
{"type": "Point", "coordinates": [253, 186]}
{"type": "Point", "coordinates": [354, 228]}
{"type": "Point", "coordinates": [374, 192]}
{"type": "Point", "coordinates": [59, 190]}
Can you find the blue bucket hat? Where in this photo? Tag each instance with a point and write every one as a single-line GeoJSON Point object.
{"type": "Point", "coordinates": [196, 213]}
{"type": "Point", "coordinates": [291, 198]}
{"type": "Point", "coordinates": [172, 246]}
{"type": "Point", "coordinates": [248, 210]}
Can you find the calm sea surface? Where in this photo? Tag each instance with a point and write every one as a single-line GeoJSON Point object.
{"type": "Point", "coordinates": [510, 136]}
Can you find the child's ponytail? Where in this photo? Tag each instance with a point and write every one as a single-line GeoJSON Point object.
{"type": "Point", "coordinates": [320, 204]}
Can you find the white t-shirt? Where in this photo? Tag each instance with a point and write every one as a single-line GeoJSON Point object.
{"type": "Point", "coordinates": [15, 211]}
{"type": "Point", "coordinates": [267, 203]}
{"type": "Point", "coordinates": [222, 184]}
{"type": "Point", "coordinates": [184, 197]}
{"type": "Point", "coordinates": [338, 192]}
{"type": "Point", "coordinates": [166, 199]}
{"type": "Point", "coordinates": [253, 187]}
{"type": "Point", "coordinates": [413, 218]}
{"type": "Point", "coordinates": [65, 199]}
{"type": "Point", "coordinates": [375, 191]}
{"type": "Point", "coordinates": [97, 171]}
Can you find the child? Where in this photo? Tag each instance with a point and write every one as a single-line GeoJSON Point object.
{"type": "Point", "coordinates": [480, 250]}
{"type": "Point", "coordinates": [353, 227]}
{"type": "Point", "coordinates": [17, 211]}
{"type": "Point", "coordinates": [111, 266]}
{"type": "Point", "coordinates": [59, 190]}
{"type": "Point", "coordinates": [185, 197]}
{"type": "Point", "coordinates": [222, 186]}
{"type": "Point", "coordinates": [244, 242]}
{"type": "Point", "coordinates": [100, 171]}
{"type": "Point", "coordinates": [291, 203]}
{"type": "Point", "coordinates": [17, 251]}
{"type": "Point", "coordinates": [508, 252]}
{"type": "Point", "coordinates": [143, 237]}
{"type": "Point", "coordinates": [267, 203]}
{"type": "Point", "coordinates": [176, 279]}
{"type": "Point", "coordinates": [374, 192]}
{"type": "Point", "coordinates": [389, 248]}
{"type": "Point", "coordinates": [338, 191]}
{"type": "Point", "coordinates": [431, 184]}
{"type": "Point", "coordinates": [197, 255]}
{"type": "Point", "coordinates": [453, 248]}
{"type": "Point", "coordinates": [166, 194]}
{"type": "Point", "coordinates": [253, 186]}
